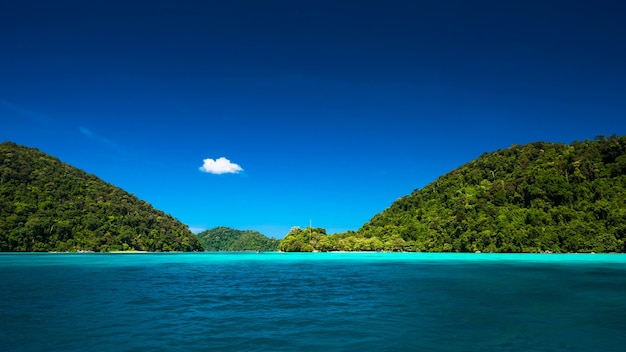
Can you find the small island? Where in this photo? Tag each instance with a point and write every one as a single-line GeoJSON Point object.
{"type": "Point", "coordinates": [227, 239]}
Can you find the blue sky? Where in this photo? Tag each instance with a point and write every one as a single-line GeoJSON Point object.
{"type": "Point", "coordinates": [323, 111]}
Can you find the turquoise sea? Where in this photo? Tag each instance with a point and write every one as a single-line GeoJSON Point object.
{"type": "Point", "coordinates": [312, 302]}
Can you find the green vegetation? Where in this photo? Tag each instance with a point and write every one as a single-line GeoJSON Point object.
{"type": "Point", "coordinates": [227, 239]}
{"type": "Point", "coordinates": [306, 240]}
{"type": "Point", "coordinates": [540, 197]}
{"type": "Point", "coordinates": [47, 205]}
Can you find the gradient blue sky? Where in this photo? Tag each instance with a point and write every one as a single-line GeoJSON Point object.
{"type": "Point", "coordinates": [332, 109]}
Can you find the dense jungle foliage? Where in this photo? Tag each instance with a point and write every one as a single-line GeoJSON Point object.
{"type": "Point", "coordinates": [539, 197]}
{"type": "Point", "coordinates": [227, 239]}
{"type": "Point", "coordinates": [47, 205]}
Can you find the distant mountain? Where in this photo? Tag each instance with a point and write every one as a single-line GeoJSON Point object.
{"type": "Point", "coordinates": [539, 197]}
{"type": "Point", "coordinates": [47, 205]}
{"type": "Point", "coordinates": [227, 239]}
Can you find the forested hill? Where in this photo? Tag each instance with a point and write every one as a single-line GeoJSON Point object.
{"type": "Point", "coordinates": [527, 198]}
{"type": "Point", "coordinates": [540, 197]}
{"type": "Point", "coordinates": [47, 205]}
{"type": "Point", "coordinates": [227, 239]}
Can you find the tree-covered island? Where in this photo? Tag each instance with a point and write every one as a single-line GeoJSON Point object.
{"type": "Point", "coordinates": [48, 205]}
{"type": "Point", "coordinates": [539, 197]}
{"type": "Point", "coordinates": [227, 239]}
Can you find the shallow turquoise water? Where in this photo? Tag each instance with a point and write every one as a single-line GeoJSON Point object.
{"type": "Point", "coordinates": [312, 302]}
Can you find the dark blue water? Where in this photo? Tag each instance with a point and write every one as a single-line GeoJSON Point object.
{"type": "Point", "coordinates": [312, 302]}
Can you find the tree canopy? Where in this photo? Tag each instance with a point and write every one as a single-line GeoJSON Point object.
{"type": "Point", "coordinates": [228, 239]}
{"type": "Point", "coordinates": [48, 205]}
{"type": "Point", "coordinates": [539, 197]}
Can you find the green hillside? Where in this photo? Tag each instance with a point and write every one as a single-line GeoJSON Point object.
{"type": "Point", "coordinates": [47, 205]}
{"type": "Point", "coordinates": [540, 197]}
{"type": "Point", "coordinates": [227, 239]}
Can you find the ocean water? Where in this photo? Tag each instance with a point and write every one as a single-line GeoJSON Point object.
{"type": "Point", "coordinates": [312, 302]}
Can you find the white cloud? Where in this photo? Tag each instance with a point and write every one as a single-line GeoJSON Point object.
{"type": "Point", "coordinates": [220, 166]}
